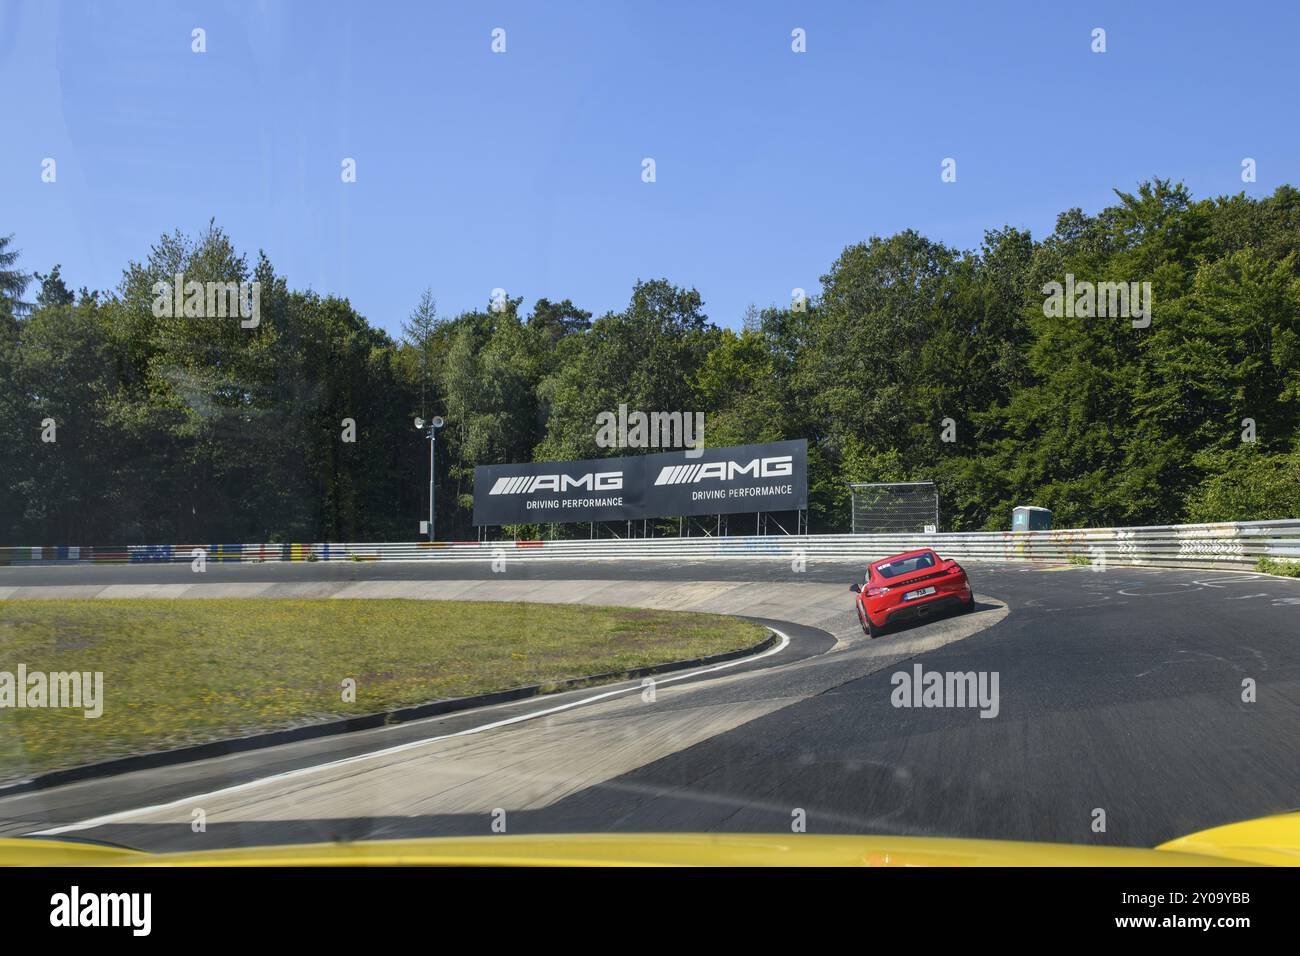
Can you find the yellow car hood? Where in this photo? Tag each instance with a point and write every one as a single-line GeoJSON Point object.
{"type": "Point", "coordinates": [1268, 840]}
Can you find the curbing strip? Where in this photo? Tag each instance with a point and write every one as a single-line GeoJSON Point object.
{"type": "Point", "coordinates": [346, 725]}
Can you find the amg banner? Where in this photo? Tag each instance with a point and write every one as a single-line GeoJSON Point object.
{"type": "Point", "coordinates": [768, 477]}
{"type": "Point", "coordinates": [603, 489]}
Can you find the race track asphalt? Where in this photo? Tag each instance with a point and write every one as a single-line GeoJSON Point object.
{"type": "Point", "coordinates": [1120, 693]}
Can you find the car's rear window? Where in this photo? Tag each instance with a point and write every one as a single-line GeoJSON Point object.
{"type": "Point", "coordinates": [892, 569]}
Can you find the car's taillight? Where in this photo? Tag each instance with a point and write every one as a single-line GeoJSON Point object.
{"type": "Point", "coordinates": [955, 569]}
{"type": "Point", "coordinates": [876, 592]}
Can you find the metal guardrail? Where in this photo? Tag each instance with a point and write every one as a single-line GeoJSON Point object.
{"type": "Point", "coordinates": [1229, 545]}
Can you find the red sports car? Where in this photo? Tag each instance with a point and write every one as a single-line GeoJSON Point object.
{"type": "Point", "coordinates": [907, 586]}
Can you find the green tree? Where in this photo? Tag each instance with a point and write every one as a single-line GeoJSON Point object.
{"type": "Point", "coordinates": [646, 357]}
{"type": "Point", "coordinates": [13, 282]}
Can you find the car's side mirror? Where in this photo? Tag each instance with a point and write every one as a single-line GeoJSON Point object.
{"type": "Point", "coordinates": [854, 588]}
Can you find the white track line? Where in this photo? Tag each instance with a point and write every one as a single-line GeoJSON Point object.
{"type": "Point", "coordinates": [398, 748]}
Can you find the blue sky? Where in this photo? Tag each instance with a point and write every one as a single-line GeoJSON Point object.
{"type": "Point", "coordinates": [522, 170]}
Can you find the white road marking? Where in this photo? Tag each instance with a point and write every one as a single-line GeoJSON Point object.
{"type": "Point", "coordinates": [122, 815]}
{"type": "Point", "coordinates": [1128, 593]}
{"type": "Point", "coordinates": [1245, 578]}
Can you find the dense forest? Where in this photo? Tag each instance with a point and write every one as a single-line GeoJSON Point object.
{"type": "Point", "coordinates": [915, 361]}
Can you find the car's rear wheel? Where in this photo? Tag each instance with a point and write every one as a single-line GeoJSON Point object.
{"type": "Point", "coordinates": [873, 631]}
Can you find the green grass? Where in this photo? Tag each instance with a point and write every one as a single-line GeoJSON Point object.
{"type": "Point", "coordinates": [185, 671]}
{"type": "Point", "coordinates": [1078, 559]}
{"type": "Point", "coordinates": [1287, 569]}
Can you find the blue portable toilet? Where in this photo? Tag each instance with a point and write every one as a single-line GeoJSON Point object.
{"type": "Point", "coordinates": [1031, 518]}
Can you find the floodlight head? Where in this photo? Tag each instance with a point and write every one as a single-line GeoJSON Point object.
{"type": "Point", "coordinates": [419, 424]}
{"type": "Point", "coordinates": [437, 421]}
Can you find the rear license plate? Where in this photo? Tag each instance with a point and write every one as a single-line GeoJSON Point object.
{"type": "Point", "coordinates": [922, 592]}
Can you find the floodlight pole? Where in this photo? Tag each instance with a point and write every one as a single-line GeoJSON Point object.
{"type": "Point", "coordinates": [432, 440]}
{"type": "Point", "coordinates": [434, 424]}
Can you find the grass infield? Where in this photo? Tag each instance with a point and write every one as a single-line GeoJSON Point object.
{"type": "Point", "coordinates": [182, 672]}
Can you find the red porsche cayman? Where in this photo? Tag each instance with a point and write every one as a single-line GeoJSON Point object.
{"type": "Point", "coordinates": [911, 585]}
